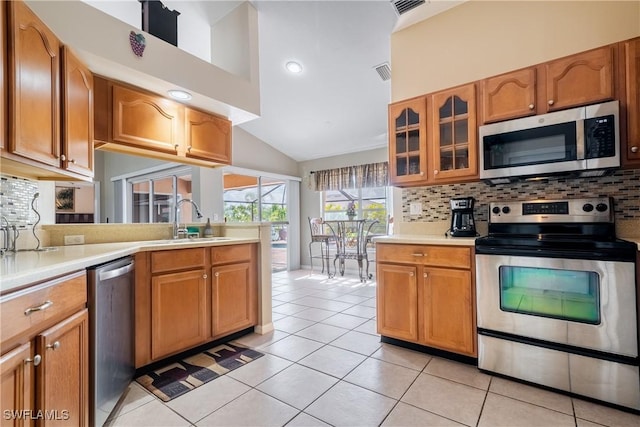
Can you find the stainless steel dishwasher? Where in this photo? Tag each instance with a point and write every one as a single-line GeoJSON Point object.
{"type": "Point", "coordinates": [111, 323]}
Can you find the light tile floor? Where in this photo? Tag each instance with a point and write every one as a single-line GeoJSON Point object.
{"type": "Point", "coordinates": [325, 365]}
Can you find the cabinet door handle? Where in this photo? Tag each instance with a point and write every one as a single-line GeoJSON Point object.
{"type": "Point", "coordinates": [54, 346]}
{"type": "Point", "coordinates": [63, 157]}
{"type": "Point", "coordinates": [425, 275]}
{"type": "Point", "coordinates": [36, 360]}
{"type": "Point", "coordinates": [421, 173]}
{"type": "Point", "coordinates": [216, 274]}
{"type": "Point", "coordinates": [418, 254]}
{"type": "Point", "coordinates": [411, 274]}
{"type": "Point", "coordinates": [73, 161]}
{"type": "Point", "coordinates": [550, 102]}
{"type": "Point", "coordinates": [531, 106]}
{"type": "Point", "coordinates": [204, 276]}
{"type": "Point", "coordinates": [40, 307]}
{"type": "Point", "coordinates": [435, 172]}
{"type": "Point", "coordinates": [634, 149]}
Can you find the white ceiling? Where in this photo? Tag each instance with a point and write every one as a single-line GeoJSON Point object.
{"type": "Point", "coordinates": [338, 104]}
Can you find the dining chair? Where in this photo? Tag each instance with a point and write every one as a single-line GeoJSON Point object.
{"type": "Point", "coordinates": [323, 237]}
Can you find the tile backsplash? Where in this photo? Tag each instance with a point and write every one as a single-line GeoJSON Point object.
{"type": "Point", "coordinates": [623, 186]}
{"type": "Point", "coordinates": [15, 199]}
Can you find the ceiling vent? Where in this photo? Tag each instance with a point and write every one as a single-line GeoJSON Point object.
{"type": "Point", "coordinates": [403, 6]}
{"type": "Point", "coordinates": [384, 71]}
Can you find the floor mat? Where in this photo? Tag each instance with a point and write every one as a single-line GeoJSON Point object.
{"type": "Point", "coordinates": [178, 378]}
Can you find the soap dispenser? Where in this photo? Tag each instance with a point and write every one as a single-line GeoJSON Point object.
{"type": "Point", "coordinates": [208, 232]}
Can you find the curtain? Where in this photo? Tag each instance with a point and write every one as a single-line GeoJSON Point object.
{"type": "Point", "coordinates": [360, 176]}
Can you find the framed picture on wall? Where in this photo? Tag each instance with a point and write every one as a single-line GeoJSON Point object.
{"type": "Point", "coordinates": [65, 198]}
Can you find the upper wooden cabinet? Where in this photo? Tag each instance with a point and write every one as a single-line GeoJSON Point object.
{"type": "Point", "coordinates": [50, 100]}
{"type": "Point", "coordinates": [134, 121]}
{"type": "Point", "coordinates": [454, 135]}
{"type": "Point", "coordinates": [34, 105]}
{"type": "Point", "coordinates": [509, 95]}
{"type": "Point", "coordinates": [631, 144]}
{"type": "Point", "coordinates": [77, 113]}
{"type": "Point", "coordinates": [3, 76]}
{"type": "Point", "coordinates": [146, 121]}
{"type": "Point", "coordinates": [580, 79]}
{"type": "Point", "coordinates": [207, 137]}
{"type": "Point", "coordinates": [408, 142]}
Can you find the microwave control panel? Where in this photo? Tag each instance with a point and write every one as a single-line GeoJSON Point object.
{"type": "Point", "coordinates": [600, 137]}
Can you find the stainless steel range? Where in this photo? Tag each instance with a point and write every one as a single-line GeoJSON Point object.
{"type": "Point", "coordinates": [557, 301]}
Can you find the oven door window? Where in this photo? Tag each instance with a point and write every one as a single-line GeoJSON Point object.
{"type": "Point", "coordinates": [558, 294]}
{"type": "Point", "coordinates": [546, 144]}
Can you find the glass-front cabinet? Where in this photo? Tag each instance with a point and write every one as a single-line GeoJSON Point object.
{"type": "Point", "coordinates": [454, 142]}
{"type": "Point", "coordinates": [408, 142]}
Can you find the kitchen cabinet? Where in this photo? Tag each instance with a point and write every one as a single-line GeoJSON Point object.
{"type": "Point", "coordinates": [34, 67]}
{"type": "Point", "coordinates": [146, 121]}
{"type": "Point", "coordinates": [581, 79]}
{"type": "Point", "coordinates": [630, 146]}
{"type": "Point", "coordinates": [131, 120]}
{"type": "Point", "coordinates": [207, 137]}
{"type": "Point", "coordinates": [188, 297]}
{"type": "Point", "coordinates": [51, 117]}
{"type": "Point", "coordinates": [77, 114]}
{"type": "Point", "coordinates": [408, 142]}
{"type": "Point", "coordinates": [234, 287]}
{"type": "Point", "coordinates": [454, 135]}
{"type": "Point", "coordinates": [3, 77]}
{"type": "Point", "coordinates": [425, 295]}
{"type": "Point", "coordinates": [509, 96]}
{"type": "Point", "coordinates": [178, 300]}
{"type": "Point", "coordinates": [45, 364]}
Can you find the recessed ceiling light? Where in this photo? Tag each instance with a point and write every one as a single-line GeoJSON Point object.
{"type": "Point", "coordinates": [180, 94]}
{"type": "Point", "coordinates": [294, 67]}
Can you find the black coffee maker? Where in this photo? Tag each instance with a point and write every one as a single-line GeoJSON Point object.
{"type": "Point", "coordinates": [462, 223]}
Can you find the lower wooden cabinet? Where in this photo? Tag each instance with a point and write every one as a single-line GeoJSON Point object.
{"type": "Point", "coordinates": [45, 362]}
{"type": "Point", "coordinates": [178, 311]}
{"type": "Point", "coordinates": [188, 297]}
{"type": "Point", "coordinates": [425, 295]}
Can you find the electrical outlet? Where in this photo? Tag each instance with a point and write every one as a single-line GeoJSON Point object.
{"type": "Point", "coordinates": [415, 208]}
{"type": "Point", "coordinates": [77, 239]}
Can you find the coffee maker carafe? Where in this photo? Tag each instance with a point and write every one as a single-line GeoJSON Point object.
{"type": "Point", "coordinates": [462, 223]}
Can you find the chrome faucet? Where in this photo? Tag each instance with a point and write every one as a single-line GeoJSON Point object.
{"type": "Point", "coordinates": [176, 229]}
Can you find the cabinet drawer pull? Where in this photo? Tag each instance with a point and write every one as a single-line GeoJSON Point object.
{"type": "Point", "coordinates": [419, 254]}
{"type": "Point", "coordinates": [531, 106]}
{"type": "Point", "coordinates": [634, 149]}
{"type": "Point", "coordinates": [40, 307]}
{"type": "Point", "coordinates": [550, 102]}
{"type": "Point", "coordinates": [54, 346]}
{"type": "Point", "coordinates": [36, 360]}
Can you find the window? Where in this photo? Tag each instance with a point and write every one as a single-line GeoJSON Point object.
{"type": "Point", "coordinates": [152, 197]}
{"type": "Point", "coordinates": [370, 203]}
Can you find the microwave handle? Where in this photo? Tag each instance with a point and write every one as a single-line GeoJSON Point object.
{"type": "Point", "coordinates": [580, 147]}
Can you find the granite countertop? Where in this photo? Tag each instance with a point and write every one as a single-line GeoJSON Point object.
{"type": "Point", "coordinates": [18, 270]}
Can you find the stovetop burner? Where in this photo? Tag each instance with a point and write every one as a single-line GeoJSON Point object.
{"type": "Point", "coordinates": [573, 228]}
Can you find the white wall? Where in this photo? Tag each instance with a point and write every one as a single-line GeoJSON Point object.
{"type": "Point", "coordinates": [480, 39]}
{"type": "Point", "coordinates": [250, 152]}
{"type": "Point", "coordinates": [232, 42]}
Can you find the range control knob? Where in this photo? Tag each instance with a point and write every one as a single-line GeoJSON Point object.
{"type": "Point", "coordinates": [506, 210]}
{"type": "Point", "coordinates": [495, 210]}
{"type": "Point", "coordinates": [602, 207]}
{"type": "Point", "coordinates": [587, 207]}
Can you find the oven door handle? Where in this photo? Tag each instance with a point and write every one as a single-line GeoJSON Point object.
{"type": "Point", "coordinates": [622, 256]}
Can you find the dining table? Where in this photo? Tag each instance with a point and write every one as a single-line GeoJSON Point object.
{"type": "Point", "coordinates": [351, 239]}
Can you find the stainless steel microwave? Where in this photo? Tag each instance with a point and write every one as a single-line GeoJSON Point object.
{"type": "Point", "coordinates": [583, 141]}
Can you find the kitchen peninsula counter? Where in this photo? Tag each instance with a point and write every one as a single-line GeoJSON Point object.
{"type": "Point", "coordinates": [23, 268]}
{"type": "Point", "coordinates": [427, 239]}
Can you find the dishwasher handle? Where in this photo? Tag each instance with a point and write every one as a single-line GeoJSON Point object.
{"type": "Point", "coordinates": [110, 274]}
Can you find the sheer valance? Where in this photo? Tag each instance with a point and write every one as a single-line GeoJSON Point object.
{"type": "Point", "coordinates": [360, 176]}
